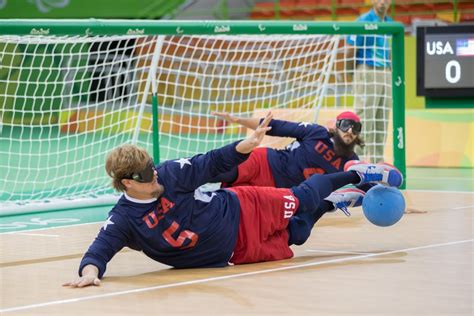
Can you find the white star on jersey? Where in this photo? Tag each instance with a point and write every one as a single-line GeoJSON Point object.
{"type": "Point", "coordinates": [305, 124]}
{"type": "Point", "coordinates": [293, 145]}
{"type": "Point", "coordinates": [108, 222]}
{"type": "Point", "coordinates": [182, 162]}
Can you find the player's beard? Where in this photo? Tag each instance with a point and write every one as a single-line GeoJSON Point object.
{"type": "Point", "coordinates": [341, 148]}
{"type": "Point", "coordinates": [158, 192]}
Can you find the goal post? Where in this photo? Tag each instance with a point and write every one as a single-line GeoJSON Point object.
{"type": "Point", "coordinates": [72, 90]}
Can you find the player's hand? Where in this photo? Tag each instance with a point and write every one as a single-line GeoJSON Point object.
{"type": "Point", "coordinates": [252, 141]}
{"type": "Point", "coordinates": [83, 281]}
{"type": "Point", "coordinates": [90, 276]}
{"type": "Point", "coordinates": [226, 116]}
{"type": "Point", "coordinates": [262, 129]}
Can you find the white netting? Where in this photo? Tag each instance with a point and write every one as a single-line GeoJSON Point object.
{"type": "Point", "coordinates": [67, 101]}
{"type": "Point", "coordinates": [372, 90]}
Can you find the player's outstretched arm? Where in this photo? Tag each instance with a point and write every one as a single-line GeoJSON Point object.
{"type": "Point", "coordinates": [251, 122]}
{"type": "Point", "coordinates": [189, 174]}
{"type": "Point", "coordinates": [90, 276]}
{"type": "Point", "coordinates": [252, 141]}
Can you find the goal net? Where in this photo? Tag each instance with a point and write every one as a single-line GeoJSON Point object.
{"type": "Point", "coordinates": [67, 100]}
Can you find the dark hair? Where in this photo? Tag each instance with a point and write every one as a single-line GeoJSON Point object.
{"type": "Point", "coordinates": [342, 149]}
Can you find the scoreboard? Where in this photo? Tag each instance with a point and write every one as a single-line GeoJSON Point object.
{"type": "Point", "coordinates": [445, 61]}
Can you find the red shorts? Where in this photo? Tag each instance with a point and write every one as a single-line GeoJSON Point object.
{"type": "Point", "coordinates": [255, 170]}
{"type": "Point", "coordinates": [264, 216]}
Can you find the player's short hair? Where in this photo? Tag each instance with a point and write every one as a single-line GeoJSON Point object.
{"type": "Point", "coordinates": [123, 161]}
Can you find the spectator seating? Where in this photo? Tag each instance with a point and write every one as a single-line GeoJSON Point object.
{"type": "Point", "coordinates": [404, 10]}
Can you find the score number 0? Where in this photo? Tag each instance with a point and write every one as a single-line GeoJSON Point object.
{"type": "Point", "coordinates": [450, 66]}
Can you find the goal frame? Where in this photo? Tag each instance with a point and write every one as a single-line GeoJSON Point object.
{"type": "Point", "coordinates": [94, 27]}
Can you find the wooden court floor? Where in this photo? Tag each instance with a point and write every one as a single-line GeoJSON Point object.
{"type": "Point", "coordinates": [422, 265]}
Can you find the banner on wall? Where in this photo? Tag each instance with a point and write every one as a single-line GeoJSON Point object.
{"type": "Point", "coordinates": [86, 8]}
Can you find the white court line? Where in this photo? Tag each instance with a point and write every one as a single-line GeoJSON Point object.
{"type": "Point", "coordinates": [463, 207]}
{"type": "Point", "coordinates": [440, 178]}
{"type": "Point", "coordinates": [46, 228]}
{"type": "Point", "coordinates": [439, 191]}
{"type": "Point", "coordinates": [41, 235]}
{"type": "Point", "coordinates": [171, 285]}
{"type": "Point", "coordinates": [339, 252]}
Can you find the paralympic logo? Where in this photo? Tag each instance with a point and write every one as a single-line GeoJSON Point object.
{"type": "Point", "coordinates": [400, 144]}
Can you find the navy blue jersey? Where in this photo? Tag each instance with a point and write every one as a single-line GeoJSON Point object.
{"type": "Point", "coordinates": [312, 152]}
{"type": "Point", "coordinates": [183, 228]}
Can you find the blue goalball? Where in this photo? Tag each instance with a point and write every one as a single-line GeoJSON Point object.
{"type": "Point", "coordinates": [383, 206]}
